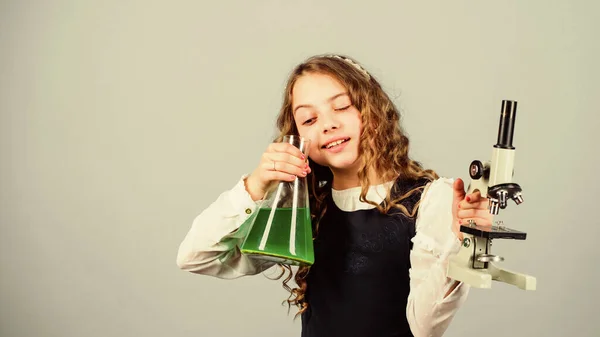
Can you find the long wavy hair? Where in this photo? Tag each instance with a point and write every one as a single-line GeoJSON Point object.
{"type": "Point", "coordinates": [383, 148]}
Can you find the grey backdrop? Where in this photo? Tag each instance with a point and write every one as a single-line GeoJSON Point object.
{"type": "Point", "coordinates": [122, 120]}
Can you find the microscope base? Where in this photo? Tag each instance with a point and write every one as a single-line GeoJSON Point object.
{"type": "Point", "coordinates": [475, 265]}
{"type": "Point", "coordinates": [482, 278]}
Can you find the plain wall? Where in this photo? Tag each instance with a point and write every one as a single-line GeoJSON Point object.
{"type": "Point", "coordinates": [122, 120]}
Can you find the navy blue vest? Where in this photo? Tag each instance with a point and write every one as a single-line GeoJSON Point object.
{"type": "Point", "coordinates": [359, 283]}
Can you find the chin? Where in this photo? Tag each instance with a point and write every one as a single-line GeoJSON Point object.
{"type": "Point", "coordinates": [338, 161]}
{"type": "Point", "coordinates": [343, 163]}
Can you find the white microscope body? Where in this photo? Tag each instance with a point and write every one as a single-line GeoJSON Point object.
{"type": "Point", "coordinates": [474, 264]}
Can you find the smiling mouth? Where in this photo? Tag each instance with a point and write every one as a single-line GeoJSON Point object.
{"type": "Point", "coordinates": [336, 143]}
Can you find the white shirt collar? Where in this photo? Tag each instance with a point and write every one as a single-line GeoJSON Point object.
{"type": "Point", "coordinates": [348, 199]}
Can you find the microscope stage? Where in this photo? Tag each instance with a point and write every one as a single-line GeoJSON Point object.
{"type": "Point", "coordinates": [493, 232]}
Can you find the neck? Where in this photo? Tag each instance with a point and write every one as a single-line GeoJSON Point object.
{"type": "Point", "coordinates": [344, 179]}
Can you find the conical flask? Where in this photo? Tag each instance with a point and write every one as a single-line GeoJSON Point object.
{"type": "Point", "coordinates": [281, 229]}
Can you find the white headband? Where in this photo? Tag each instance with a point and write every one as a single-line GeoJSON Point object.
{"type": "Point", "coordinates": [352, 63]}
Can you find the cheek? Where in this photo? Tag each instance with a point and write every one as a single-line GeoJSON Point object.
{"type": "Point", "coordinates": [308, 133]}
{"type": "Point", "coordinates": [356, 120]}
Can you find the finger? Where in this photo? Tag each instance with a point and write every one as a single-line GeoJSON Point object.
{"type": "Point", "coordinates": [466, 213]}
{"type": "Point", "coordinates": [459, 189]}
{"type": "Point", "coordinates": [286, 148]}
{"type": "Point", "coordinates": [474, 197]}
{"type": "Point", "coordinates": [278, 176]}
{"type": "Point", "coordinates": [287, 152]}
{"type": "Point", "coordinates": [285, 167]}
{"type": "Point", "coordinates": [473, 212]}
{"type": "Point", "coordinates": [483, 203]}
{"type": "Point", "coordinates": [287, 163]}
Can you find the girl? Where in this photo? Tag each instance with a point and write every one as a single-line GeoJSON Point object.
{"type": "Point", "coordinates": [384, 227]}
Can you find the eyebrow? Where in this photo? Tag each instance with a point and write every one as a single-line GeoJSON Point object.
{"type": "Point", "coordinates": [328, 100]}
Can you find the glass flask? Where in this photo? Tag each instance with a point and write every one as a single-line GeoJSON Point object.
{"type": "Point", "coordinates": [281, 229]}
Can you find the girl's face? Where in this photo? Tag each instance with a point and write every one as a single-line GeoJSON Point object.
{"type": "Point", "coordinates": [324, 114]}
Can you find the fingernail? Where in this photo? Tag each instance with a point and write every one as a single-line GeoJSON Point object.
{"type": "Point", "coordinates": [468, 199]}
{"type": "Point", "coordinates": [303, 157]}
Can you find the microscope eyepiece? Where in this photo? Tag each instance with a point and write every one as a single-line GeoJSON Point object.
{"type": "Point", "coordinates": [506, 129]}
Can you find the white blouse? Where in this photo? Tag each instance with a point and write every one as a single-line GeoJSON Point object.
{"type": "Point", "coordinates": [211, 247]}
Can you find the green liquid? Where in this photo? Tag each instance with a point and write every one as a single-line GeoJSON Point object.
{"type": "Point", "coordinates": [277, 246]}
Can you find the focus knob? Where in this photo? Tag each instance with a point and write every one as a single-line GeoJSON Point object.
{"type": "Point", "coordinates": [476, 169]}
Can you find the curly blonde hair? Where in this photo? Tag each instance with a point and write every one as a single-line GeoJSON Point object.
{"type": "Point", "coordinates": [383, 148]}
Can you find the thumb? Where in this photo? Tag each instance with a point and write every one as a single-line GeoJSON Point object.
{"type": "Point", "coordinates": [459, 190]}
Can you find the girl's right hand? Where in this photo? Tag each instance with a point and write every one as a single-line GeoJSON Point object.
{"type": "Point", "coordinates": [280, 162]}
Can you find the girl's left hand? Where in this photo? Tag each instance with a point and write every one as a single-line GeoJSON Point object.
{"type": "Point", "coordinates": [469, 207]}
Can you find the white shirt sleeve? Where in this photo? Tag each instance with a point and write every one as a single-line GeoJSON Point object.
{"type": "Point", "coordinates": [429, 310]}
{"type": "Point", "coordinates": [211, 246]}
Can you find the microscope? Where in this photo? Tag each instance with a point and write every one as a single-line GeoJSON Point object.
{"type": "Point", "coordinates": [475, 264]}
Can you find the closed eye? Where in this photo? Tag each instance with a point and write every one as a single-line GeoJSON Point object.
{"type": "Point", "coordinates": [308, 121]}
{"type": "Point", "coordinates": [344, 108]}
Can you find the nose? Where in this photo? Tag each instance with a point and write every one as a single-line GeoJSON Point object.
{"type": "Point", "coordinates": [329, 122]}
